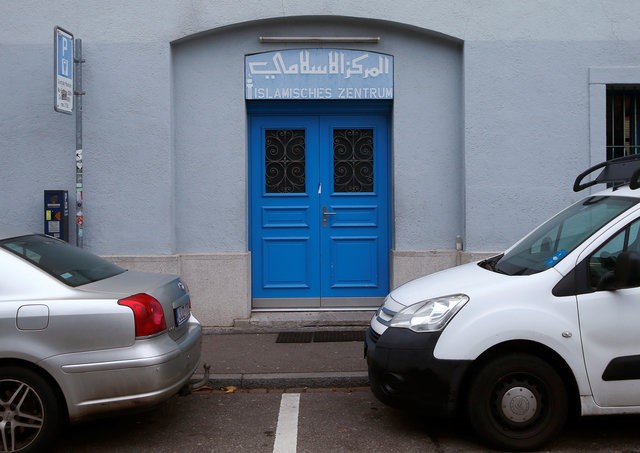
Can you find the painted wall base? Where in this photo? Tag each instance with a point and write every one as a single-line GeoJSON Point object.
{"type": "Point", "coordinates": [220, 283]}
{"type": "Point", "coordinates": [411, 264]}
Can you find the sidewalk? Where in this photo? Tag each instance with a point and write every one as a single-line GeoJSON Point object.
{"type": "Point", "coordinates": [286, 354]}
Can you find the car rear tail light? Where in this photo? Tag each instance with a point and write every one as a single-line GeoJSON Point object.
{"type": "Point", "coordinates": [148, 314]}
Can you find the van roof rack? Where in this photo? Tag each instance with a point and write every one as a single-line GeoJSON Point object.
{"type": "Point", "coordinates": [620, 171]}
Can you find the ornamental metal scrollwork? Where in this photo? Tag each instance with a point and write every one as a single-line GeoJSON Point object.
{"type": "Point", "coordinates": [285, 160]}
{"type": "Point", "coordinates": [353, 160]}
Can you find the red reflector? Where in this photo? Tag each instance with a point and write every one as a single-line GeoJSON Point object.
{"type": "Point", "coordinates": [148, 314]}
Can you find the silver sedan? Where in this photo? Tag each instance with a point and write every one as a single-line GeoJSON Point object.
{"type": "Point", "coordinates": [80, 336]}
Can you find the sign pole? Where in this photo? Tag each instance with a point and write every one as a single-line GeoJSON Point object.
{"type": "Point", "coordinates": [78, 93]}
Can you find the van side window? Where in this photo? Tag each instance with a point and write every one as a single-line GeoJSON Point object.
{"type": "Point", "coordinates": [602, 264]}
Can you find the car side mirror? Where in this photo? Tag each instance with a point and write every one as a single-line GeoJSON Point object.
{"type": "Point", "coordinates": [626, 273]}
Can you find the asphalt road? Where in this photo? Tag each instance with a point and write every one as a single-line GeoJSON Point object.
{"type": "Point", "coordinates": [310, 420]}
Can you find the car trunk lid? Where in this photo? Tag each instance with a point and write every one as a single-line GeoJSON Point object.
{"type": "Point", "coordinates": [168, 289]}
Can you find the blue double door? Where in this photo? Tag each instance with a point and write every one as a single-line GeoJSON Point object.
{"type": "Point", "coordinates": [319, 210]}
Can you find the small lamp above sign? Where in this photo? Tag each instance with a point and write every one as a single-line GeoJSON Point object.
{"type": "Point", "coordinates": [320, 39]}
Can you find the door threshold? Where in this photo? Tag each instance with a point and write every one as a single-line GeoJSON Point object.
{"type": "Point", "coordinates": [314, 310]}
{"type": "Point", "coordinates": [317, 304]}
{"type": "Point", "coordinates": [291, 320]}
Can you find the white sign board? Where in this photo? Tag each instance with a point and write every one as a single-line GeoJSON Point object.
{"type": "Point", "coordinates": [63, 71]}
{"type": "Point", "coordinates": [306, 74]}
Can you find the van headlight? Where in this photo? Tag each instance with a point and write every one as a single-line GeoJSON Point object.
{"type": "Point", "coordinates": [429, 315]}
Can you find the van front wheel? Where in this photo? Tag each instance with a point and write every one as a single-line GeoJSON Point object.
{"type": "Point", "coordinates": [517, 402]}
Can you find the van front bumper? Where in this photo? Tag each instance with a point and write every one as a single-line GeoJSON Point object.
{"type": "Point", "coordinates": [403, 371]}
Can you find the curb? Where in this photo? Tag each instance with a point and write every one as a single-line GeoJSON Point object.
{"type": "Point", "coordinates": [287, 380]}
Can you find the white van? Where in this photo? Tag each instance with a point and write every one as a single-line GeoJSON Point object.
{"type": "Point", "coordinates": [519, 342]}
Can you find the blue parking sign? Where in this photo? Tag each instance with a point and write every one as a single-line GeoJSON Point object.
{"type": "Point", "coordinates": [63, 71]}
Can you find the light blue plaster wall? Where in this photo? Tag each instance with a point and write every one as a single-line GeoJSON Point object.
{"type": "Point", "coordinates": [523, 106]}
{"type": "Point", "coordinates": [211, 142]}
{"type": "Point", "coordinates": [528, 131]}
{"type": "Point", "coordinates": [128, 175]}
{"type": "Point", "coordinates": [128, 154]}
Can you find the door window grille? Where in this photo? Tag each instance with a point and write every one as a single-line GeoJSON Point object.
{"type": "Point", "coordinates": [353, 160]}
{"type": "Point", "coordinates": [285, 161]}
{"type": "Point", "coordinates": [623, 121]}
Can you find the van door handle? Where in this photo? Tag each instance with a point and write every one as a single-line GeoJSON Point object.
{"type": "Point", "coordinates": [325, 213]}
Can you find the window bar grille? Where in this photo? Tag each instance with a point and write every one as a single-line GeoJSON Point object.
{"type": "Point", "coordinates": [623, 121]}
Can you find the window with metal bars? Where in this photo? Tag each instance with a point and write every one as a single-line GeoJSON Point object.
{"type": "Point", "coordinates": [623, 120]}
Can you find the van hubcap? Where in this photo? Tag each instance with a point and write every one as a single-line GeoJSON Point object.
{"type": "Point", "coordinates": [519, 404]}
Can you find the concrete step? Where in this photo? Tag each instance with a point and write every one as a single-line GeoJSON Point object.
{"type": "Point", "coordinates": [278, 321]}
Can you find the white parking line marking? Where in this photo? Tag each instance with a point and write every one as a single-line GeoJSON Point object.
{"type": "Point", "coordinates": [287, 430]}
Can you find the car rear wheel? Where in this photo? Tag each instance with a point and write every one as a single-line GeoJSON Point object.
{"type": "Point", "coordinates": [517, 402]}
{"type": "Point", "coordinates": [30, 415]}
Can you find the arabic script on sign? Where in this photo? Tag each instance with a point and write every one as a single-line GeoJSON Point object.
{"type": "Point", "coordinates": [318, 73]}
{"type": "Point", "coordinates": [336, 63]}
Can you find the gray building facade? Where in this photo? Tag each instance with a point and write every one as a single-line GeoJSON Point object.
{"type": "Point", "coordinates": [494, 108]}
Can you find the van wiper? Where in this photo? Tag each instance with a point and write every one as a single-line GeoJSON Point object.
{"type": "Point", "coordinates": [491, 264]}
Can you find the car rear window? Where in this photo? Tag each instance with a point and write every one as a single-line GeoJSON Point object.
{"type": "Point", "coordinates": [71, 265]}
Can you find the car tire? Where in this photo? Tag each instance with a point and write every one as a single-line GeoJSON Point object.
{"type": "Point", "coordinates": [30, 413]}
{"type": "Point", "coordinates": [517, 402]}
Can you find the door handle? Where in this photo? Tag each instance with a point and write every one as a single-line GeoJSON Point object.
{"type": "Point", "coordinates": [325, 213]}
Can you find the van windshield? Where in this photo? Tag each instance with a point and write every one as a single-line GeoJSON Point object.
{"type": "Point", "coordinates": [548, 244]}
